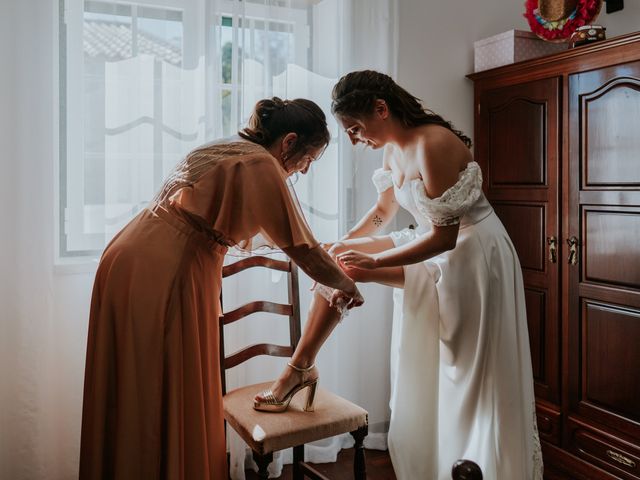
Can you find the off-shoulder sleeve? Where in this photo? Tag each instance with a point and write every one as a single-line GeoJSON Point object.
{"type": "Point", "coordinates": [452, 204]}
{"type": "Point", "coordinates": [382, 180]}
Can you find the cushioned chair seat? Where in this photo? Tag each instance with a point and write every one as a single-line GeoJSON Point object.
{"type": "Point", "coordinates": [269, 432]}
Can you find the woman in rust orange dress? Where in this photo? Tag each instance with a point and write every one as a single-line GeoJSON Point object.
{"type": "Point", "coordinates": [152, 396]}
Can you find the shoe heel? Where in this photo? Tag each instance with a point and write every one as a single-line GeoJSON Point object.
{"type": "Point", "coordinates": [311, 396]}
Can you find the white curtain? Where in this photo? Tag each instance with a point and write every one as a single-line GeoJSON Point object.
{"type": "Point", "coordinates": [163, 91]}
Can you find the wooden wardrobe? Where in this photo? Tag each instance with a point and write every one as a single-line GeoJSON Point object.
{"type": "Point", "coordinates": [558, 140]}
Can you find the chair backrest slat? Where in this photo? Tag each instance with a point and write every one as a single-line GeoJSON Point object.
{"type": "Point", "coordinates": [255, 307]}
{"type": "Point", "coordinates": [250, 262]}
{"type": "Point", "coordinates": [254, 350]}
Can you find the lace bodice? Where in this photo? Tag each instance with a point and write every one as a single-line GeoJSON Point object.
{"type": "Point", "coordinates": [447, 209]}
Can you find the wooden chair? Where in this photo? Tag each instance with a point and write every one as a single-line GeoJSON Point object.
{"type": "Point", "coordinates": [266, 433]}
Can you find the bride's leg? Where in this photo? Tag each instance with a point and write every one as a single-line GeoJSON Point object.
{"type": "Point", "coordinates": [322, 318]}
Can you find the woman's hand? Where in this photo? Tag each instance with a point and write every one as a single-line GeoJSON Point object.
{"type": "Point", "coordinates": [341, 299]}
{"type": "Point", "coordinates": [353, 259]}
{"type": "Point", "coordinates": [333, 248]}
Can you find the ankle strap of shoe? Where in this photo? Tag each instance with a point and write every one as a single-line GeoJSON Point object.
{"type": "Point", "coordinates": [301, 370]}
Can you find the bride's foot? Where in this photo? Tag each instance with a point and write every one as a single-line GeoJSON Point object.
{"type": "Point", "coordinates": [292, 380]}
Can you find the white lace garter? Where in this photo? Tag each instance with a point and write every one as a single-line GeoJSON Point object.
{"type": "Point", "coordinates": [326, 293]}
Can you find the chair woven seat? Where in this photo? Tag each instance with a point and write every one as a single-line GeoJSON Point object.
{"type": "Point", "coordinates": [268, 432]}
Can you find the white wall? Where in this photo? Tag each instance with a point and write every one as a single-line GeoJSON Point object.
{"type": "Point", "coordinates": [7, 193]}
{"type": "Point", "coordinates": [624, 21]}
{"type": "Point", "coordinates": [436, 46]}
{"type": "Point", "coordinates": [37, 348]}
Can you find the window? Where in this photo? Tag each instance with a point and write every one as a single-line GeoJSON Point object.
{"type": "Point", "coordinates": [141, 84]}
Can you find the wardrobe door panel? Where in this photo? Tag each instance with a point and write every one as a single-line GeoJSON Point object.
{"type": "Point", "coordinates": [525, 224]}
{"type": "Point", "coordinates": [517, 159]}
{"type": "Point", "coordinates": [611, 333]}
{"type": "Point", "coordinates": [612, 256]}
{"type": "Point", "coordinates": [604, 260]}
{"type": "Point", "coordinates": [612, 124]}
{"type": "Point", "coordinates": [518, 150]}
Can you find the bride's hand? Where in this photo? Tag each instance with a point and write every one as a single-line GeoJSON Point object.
{"type": "Point", "coordinates": [326, 246]}
{"type": "Point", "coordinates": [353, 259]}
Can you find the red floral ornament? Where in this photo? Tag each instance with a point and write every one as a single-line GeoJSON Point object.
{"type": "Point", "coordinates": [559, 31]}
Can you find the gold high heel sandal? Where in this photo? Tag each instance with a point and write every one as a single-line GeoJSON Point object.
{"type": "Point", "coordinates": [272, 404]}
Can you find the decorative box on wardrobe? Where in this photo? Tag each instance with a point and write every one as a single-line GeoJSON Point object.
{"type": "Point", "coordinates": [558, 140]}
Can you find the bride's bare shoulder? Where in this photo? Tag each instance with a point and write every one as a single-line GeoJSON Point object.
{"type": "Point", "coordinates": [438, 143]}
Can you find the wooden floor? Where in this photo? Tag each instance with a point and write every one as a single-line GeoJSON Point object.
{"type": "Point", "coordinates": [378, 467]}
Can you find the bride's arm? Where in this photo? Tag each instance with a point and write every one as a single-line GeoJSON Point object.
{"type": "Point", "coordinates": [437, 241]}
{"type": "Point", "coordinates": [376, 218]}
{"type": "Point", "coordinates": [440, 170]}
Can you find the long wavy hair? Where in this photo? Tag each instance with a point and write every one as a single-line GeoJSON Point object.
{"type": "Point", "coordinates": [273, 117]}
{"type": "Point", "coordinates": [356, 93]}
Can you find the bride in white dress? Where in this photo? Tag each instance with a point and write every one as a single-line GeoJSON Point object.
{"type": "Point", "coordinates": [462, 383]}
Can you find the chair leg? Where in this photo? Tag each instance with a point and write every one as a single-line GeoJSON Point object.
{"type": "Point", "coordinates": [359, 467]}
{"type": "Point", "coordinates": [298, 456]}
{"type": "Point", "coordinates": [263, 462]}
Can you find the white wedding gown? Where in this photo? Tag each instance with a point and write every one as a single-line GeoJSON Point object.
{"type": "Point", "coordinates": [462, 384]}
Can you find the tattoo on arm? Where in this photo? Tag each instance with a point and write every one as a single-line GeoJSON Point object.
{"type": "Point", "coordinates": [377, 221]}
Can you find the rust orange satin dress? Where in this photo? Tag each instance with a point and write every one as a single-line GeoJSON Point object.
{"type": "Point", "coordinates": [152, 405]}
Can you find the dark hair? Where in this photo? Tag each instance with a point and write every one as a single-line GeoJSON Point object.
{"type": "Point", "coordinates": [356, 93]}
{"type": "Point", "coordinates": [272, 118]}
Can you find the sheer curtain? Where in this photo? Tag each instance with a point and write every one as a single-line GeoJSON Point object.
{"type": "Point", "coordinates": [101, 99]}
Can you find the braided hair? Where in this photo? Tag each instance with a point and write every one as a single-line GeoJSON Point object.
{"type": "Point", "coordinates": [356, 93]}
{"type": "Point", "coordinates": [273, 117]}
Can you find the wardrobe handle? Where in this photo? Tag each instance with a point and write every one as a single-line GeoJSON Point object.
{"type": "Point", "coordinates": [618, 457]}
{"type": "Point", "coordinates": [573, 250]}
{"type": "Point", "coordinates": [553, 249]}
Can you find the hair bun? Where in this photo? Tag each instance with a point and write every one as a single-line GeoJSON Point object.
{"type": "Point", "coordinates": [274, 117]}
{"type": "Point", "coordinates": [266, 107]}
{"type": "Point", "coordinates": [278, 103]}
